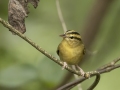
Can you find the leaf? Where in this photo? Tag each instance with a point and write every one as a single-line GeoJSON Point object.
{"type": "Point", "coordinates": [18, 11]}
{"type": "Point", "coordinates": [33, 2]}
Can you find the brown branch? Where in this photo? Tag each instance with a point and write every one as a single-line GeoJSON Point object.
{"type": "Point", "coordinates": [104, 69]}
{"type": "Point", "coordinates": [7, 25]}
{"type": "Point", "coordinates": [95, 82]}
{"type": "Point", "coordinates": [107, 68]}
{"type": "Point", "coordinates": [109, 64]}
{"type": "Point", "coordinates": [76, 82]}
{"type": "Point", "coordinates": [61, 16]}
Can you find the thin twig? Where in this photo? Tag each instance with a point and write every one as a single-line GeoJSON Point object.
{"type": "Point", "coordinates": [95, 82]}
{"type": "Point", "coordinates": [74, 83]}
{"type": "Point", "coordinates": [61, 16]}
{"type": "Point", "coordinates": [109, 64]}
{"type": "Point", "coordinates": [6, 24]}
{"type": "Point", "coordinates": [96, 73]}
{"type": "Point", "coordinates": [77, 77]}
{"type": "Point", "coordinates": [109, 69]}
{"type": "Point", "coordinates": [70, 85]}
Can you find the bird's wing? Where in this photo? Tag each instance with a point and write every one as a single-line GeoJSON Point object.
{"type": "Point", "coordinates": [84, 51]}
{"type": "Point", "coordinates": [57, 51]}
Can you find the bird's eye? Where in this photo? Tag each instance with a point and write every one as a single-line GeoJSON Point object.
{"type": "Point", "coordinates": [71, 37]}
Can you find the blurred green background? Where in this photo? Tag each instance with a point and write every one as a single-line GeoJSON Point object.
{"type": "Point", "coordinates": [22, 67]}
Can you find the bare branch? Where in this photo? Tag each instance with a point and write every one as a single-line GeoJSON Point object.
{"type": "Point", "coordinates": [95, 82]}
{"type": "Point", "coordinates": [108, 67]}
{"type": "Point", "coordinates": [7, 25]}
{"type": "Point", "coordinates": [109, 64]}
{"type": "Point", "coordinates": [61, 16]}
{"type": "Point", "coordinates": [76, 82]}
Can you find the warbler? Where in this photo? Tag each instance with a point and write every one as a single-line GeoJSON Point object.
{"type": "Point", "coordinates": [71, 49]}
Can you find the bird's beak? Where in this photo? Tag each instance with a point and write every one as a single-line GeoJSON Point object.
{"type": "Point", "coordinates": [63, 35]}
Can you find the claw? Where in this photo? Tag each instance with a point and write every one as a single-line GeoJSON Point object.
{"type": "Point", "coordinates": [64, 65]}
{"type": "Point", "coordinates": [81, 71]}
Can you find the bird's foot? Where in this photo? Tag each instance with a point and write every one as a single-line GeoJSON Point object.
{"type": "Point", "coordinates": [64, 65]}
{"type": "Point", "coordinates": [81, 71]}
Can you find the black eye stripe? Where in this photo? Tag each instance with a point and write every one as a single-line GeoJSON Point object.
{"type": "Point", "coordinates": [75, 38]}
{"type": "Point", "coordinates": [71, 37]}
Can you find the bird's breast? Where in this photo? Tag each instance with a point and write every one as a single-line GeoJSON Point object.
{"type": "Point", "coordinates": [71, 55]}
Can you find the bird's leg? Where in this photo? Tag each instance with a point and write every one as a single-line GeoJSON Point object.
{"type": "Point", "coordinates": [81, 71]}
{"type": "Point", "coordinates": [64, 65]}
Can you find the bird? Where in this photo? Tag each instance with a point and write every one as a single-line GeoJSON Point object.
{"type": "Point", "coordinates": [71, 49]}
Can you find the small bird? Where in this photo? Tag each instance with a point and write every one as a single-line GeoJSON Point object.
{"type": "Point", "coordinates": [71, 49]}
